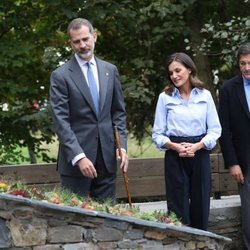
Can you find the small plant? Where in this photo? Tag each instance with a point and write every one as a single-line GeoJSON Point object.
{"type": "Point", "coordinates": [64, 197]}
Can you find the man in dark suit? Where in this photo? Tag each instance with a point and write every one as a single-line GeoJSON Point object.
{"type": "Point", "coordinates": [234, 116]}
{"type": "Point", "coordinates": [84, 118]}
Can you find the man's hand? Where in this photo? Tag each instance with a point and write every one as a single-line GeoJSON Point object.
{"type": "Point", "coordinates": [124, 160]}
{"type": "Point", "coordinates": [87, 168]}
{"type": "Point", "coordinates": [236, 173]}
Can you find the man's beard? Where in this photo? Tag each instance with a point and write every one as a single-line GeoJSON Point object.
{"type": "Point", "coordinates": [85, 55]}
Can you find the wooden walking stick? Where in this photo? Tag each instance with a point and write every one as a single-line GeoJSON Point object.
{"type": "Point", "coordinates": [125, 177]}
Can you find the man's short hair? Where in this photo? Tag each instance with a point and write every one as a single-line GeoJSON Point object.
{"type": "Point", "coordinates": [77, 23]}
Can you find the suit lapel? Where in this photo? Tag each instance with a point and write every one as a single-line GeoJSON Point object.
{"type": "Point", "coordinates": [103, 75]}
{"type": "Point", "coordinates": [80, 81]}
{"type": "Point", "coordinates": [242, 95]}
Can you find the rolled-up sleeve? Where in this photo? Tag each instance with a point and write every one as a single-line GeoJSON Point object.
{"type": "Point", "coordinates": [160, 124]}
{"type": "Point", "coordinates": [213, 125]}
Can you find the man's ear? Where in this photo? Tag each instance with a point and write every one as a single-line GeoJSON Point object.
{"type": "Point", "coordinates": [95, 36]}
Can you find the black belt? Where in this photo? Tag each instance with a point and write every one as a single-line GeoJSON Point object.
{"type": "Point", "coordinates": [191, 139]}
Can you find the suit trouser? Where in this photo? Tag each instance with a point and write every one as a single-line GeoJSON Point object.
{"type": "Point", "coordinates": [188, 187]}
{"type": "Point", "coordinates": [101, 188]}
{"type": "Point", "coordinates": [245, 208]}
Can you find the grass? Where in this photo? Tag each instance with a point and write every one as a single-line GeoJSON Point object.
{"type": "Point", "coordinates": [146, 149]}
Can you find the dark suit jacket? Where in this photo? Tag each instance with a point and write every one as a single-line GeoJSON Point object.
{"type": "Point", "coordinates": [235, 121]}
{"type": "Point", "coordinates": [77, 125]}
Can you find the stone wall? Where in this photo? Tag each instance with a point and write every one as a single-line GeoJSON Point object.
{"type": "Point", "coordinates": [226, 221]}
{"type": "Point", "coordinates": [36, 225]}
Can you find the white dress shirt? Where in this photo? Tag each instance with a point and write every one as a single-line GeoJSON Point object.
{"type": "Point", "coordinates": [83, 65]}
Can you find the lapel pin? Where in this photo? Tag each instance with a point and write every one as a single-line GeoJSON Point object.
{"type": "Point", "coordinates": [107, 74]}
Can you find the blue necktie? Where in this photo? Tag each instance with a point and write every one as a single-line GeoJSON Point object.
{"type": "Point", "coordinates": [93, 87]}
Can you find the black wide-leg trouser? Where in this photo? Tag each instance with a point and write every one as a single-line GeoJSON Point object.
{"type": "Point", "coordinates": [188, 186]}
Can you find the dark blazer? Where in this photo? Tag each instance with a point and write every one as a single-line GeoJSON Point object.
{"type": "Point", "coordinates": [77, 125]}
{"type": "Point", "coordinates": [235, 121]}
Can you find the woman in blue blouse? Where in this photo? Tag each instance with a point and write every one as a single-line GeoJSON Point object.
{"type": "Point", "coordinates": [186, 126]}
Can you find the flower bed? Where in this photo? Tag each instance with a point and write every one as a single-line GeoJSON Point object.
{"type": "Point", "coordinates": [63, 197]}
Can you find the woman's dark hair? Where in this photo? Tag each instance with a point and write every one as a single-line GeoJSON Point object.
{"type": "Point", "coordinates": [187, 62]}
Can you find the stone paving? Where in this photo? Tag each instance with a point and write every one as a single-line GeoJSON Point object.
{"type": "Point", "coordinates": [225, 201]}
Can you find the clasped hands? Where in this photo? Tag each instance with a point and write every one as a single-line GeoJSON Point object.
{"type": "Point", "coordinates": [187, 149]}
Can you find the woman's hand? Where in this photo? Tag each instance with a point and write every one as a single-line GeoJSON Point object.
{"type": "Point", "coordinates": [178, 147]}
{"type": "Point", "coordinates": [191, 148]}
{"type": "Point", "coordinates": [185, 149]}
